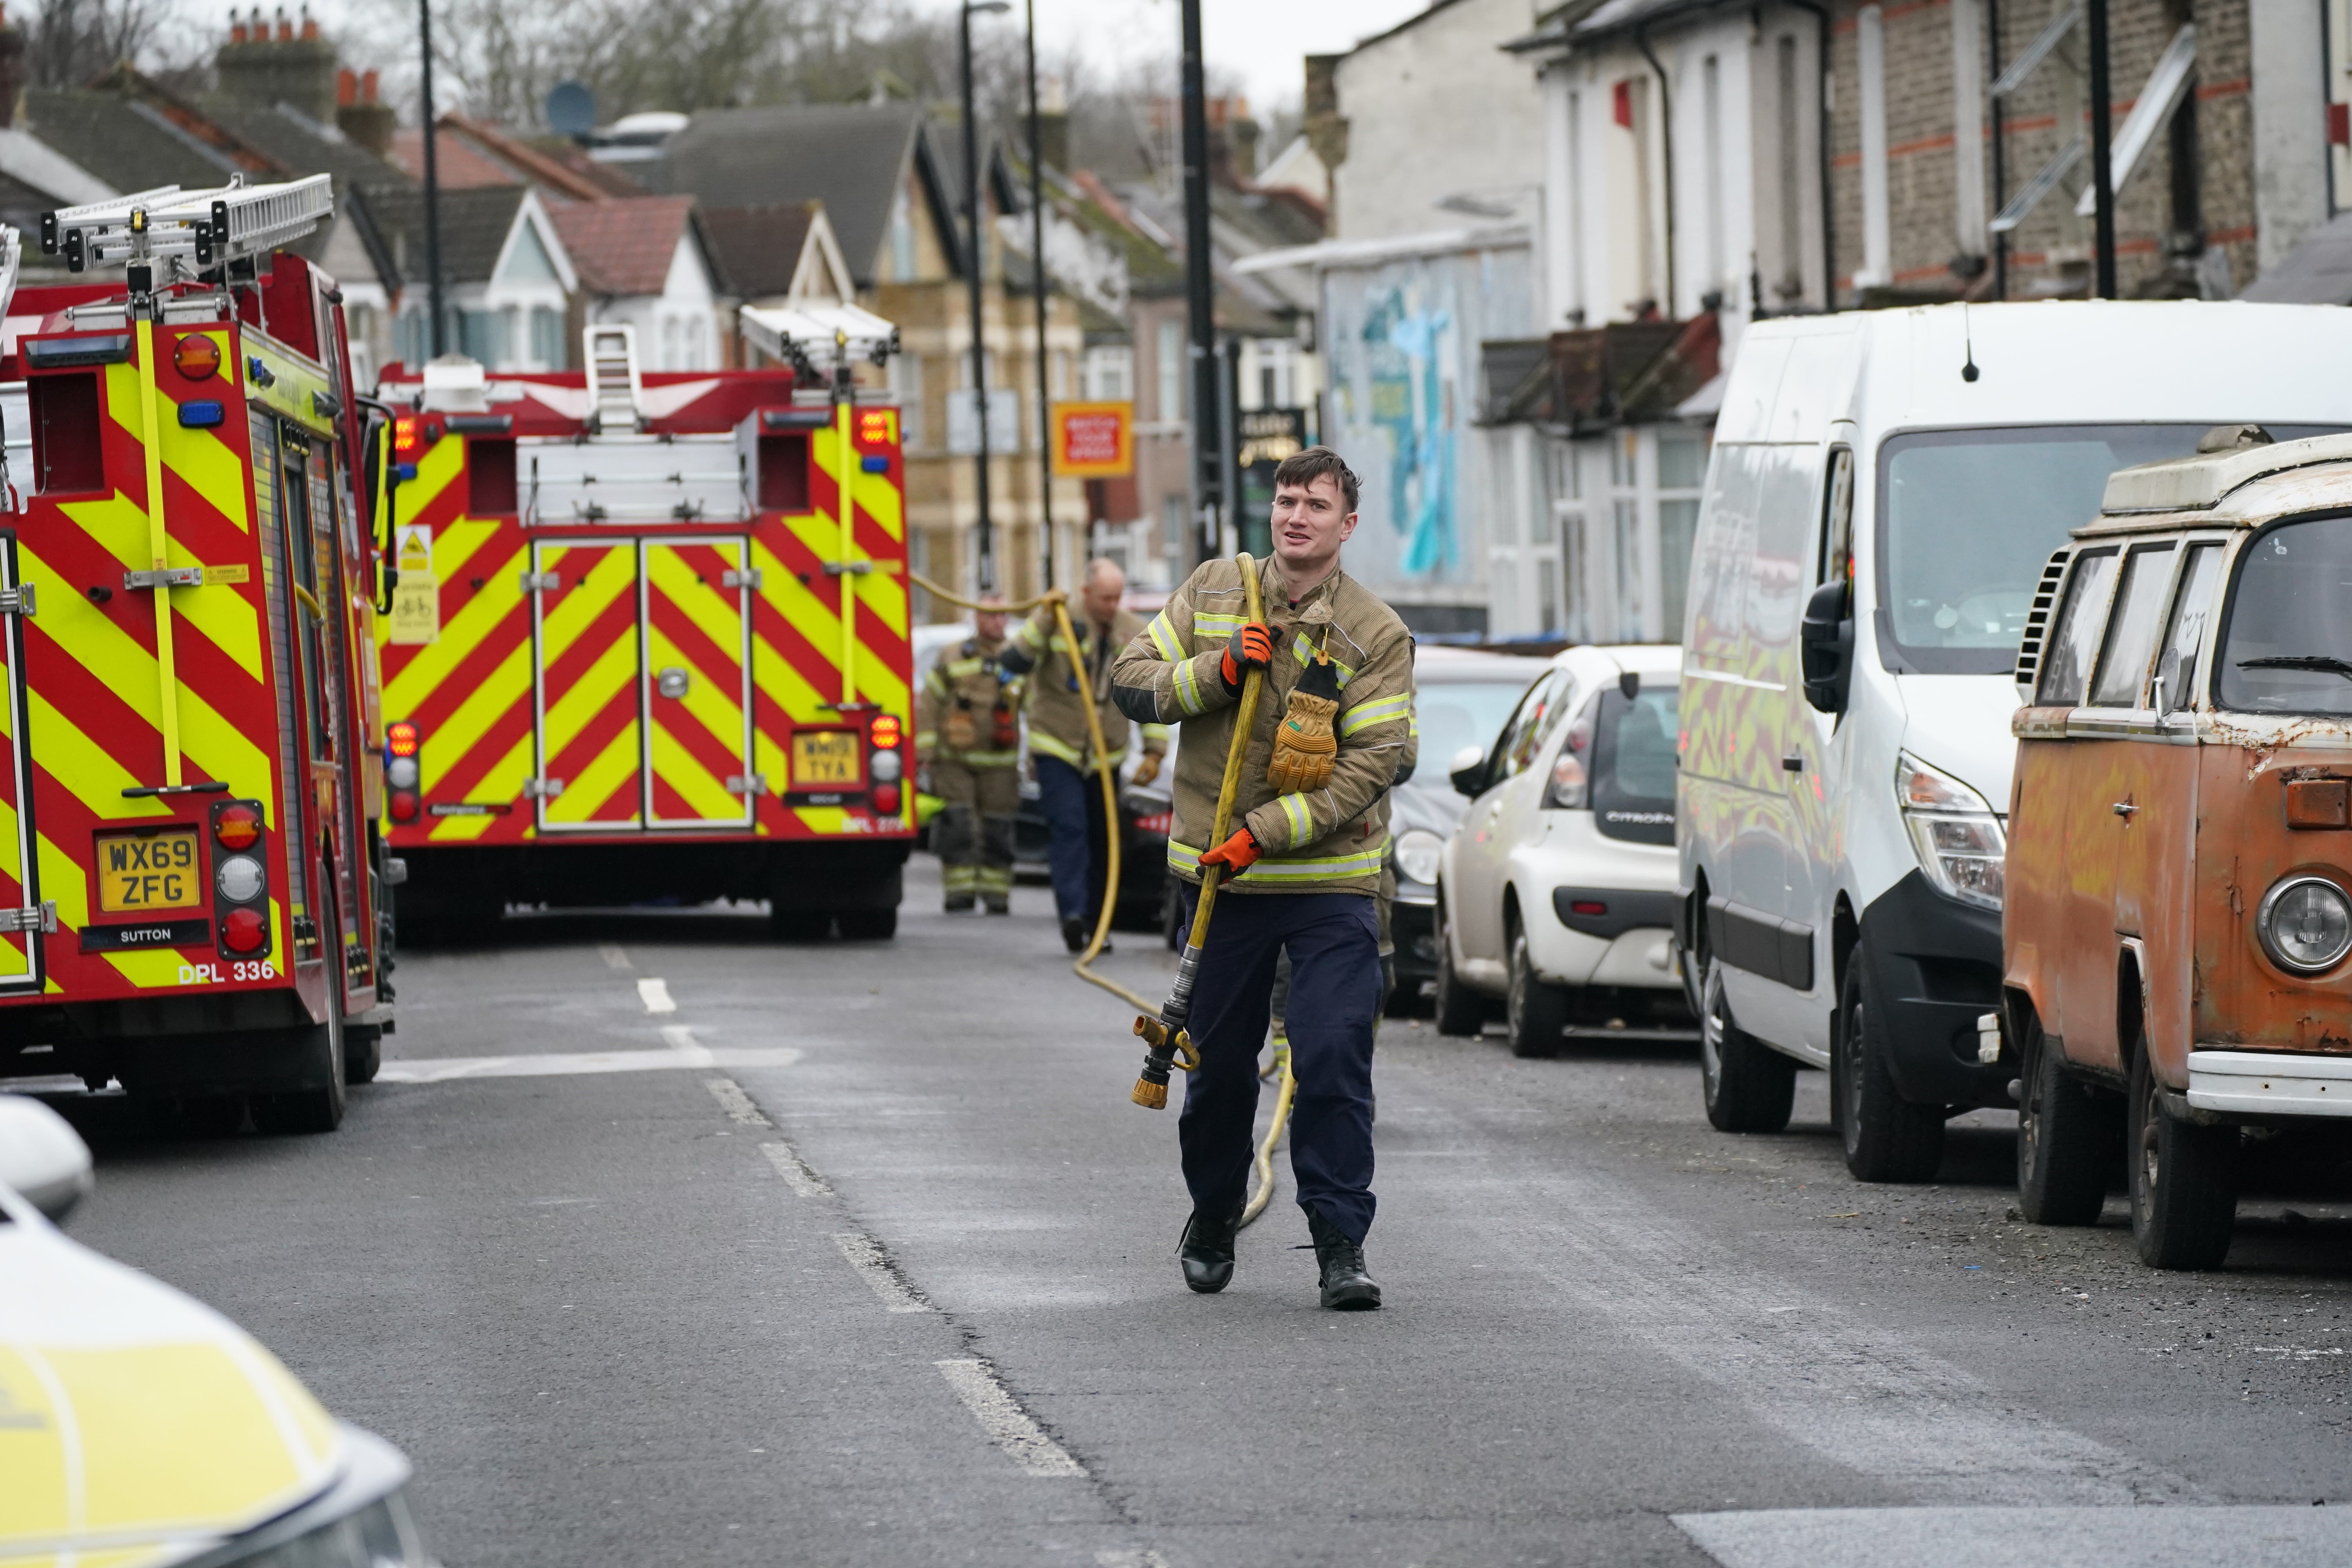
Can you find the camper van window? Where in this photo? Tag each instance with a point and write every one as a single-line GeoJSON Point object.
{"type": "Point", "coordinates": [2185, 639]}
{"type": "Point", "coordinates": [2131, 630]}
{"type": "Point", "coordinates": [1968, 517]}
{"type": "Point", "coordinates": [2287, 646]}
{"type": "Point", "coordinates": [2066, 669]}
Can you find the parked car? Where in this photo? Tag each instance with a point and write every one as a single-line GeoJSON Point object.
{"type": "Point", "coordinates": [2179, 871]}
{"type": "Point", "coordinates": [143, 1428]}
{"type": "Point", "coordinates": [1885, 489]}
{"type": "Point", "coordinates": [1557, 897]}
{"type": "Point", "coordinates": [1461, 697]}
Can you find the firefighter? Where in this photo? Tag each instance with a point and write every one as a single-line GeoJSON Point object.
{"type": "Point", "coordinates": [1059, 743]}
{"type": "Point", "coordinates": [1302, 862]}
{"type": "Point", "coordinates": [968, 736]}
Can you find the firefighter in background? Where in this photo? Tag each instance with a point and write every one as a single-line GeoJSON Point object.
{"type": "Point", "coordinates": [1059, 742]}
{"type": "Point", "coordinates": [968, 736]}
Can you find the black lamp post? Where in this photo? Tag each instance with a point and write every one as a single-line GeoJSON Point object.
{"type": "Point", "coordinates": [432, 184]}
{"type": "Point", "coordinates": [975, 257]}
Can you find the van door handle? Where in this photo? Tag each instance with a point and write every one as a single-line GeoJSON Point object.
{"type": "Point", "coordinates": [1794, 762]}
{"type": "Point", "coordinates": [2123, 809]}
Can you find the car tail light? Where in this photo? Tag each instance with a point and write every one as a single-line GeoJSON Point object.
{"type": "Point", "coordinates": [403, 807]}
{"type": "Point", "coordinates": [1156, 822]}
{"type": "Point", "coordinates": [885, 731]}
{"type": "Point", "coordinates": [406, 433]}
{"type": "Point", "coordinates": [886, 800]}
{"type": "Point", "coordinates": [237, 826]}
{"type": "Point", "coordinates": [401, 739]}
{"type": "Point", "coordinates": [244, 931]}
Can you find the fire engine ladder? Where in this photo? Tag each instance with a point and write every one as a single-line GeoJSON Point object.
{"type": "Point", "coordinates": [616, 393]}
{"type": "Point", "coordinates": [828, 339]}
{"type": "Point", "coordinates": [187, 232]}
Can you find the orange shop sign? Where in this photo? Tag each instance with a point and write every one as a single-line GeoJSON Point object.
{"type": "Point", "coordinates": [1094, 440]}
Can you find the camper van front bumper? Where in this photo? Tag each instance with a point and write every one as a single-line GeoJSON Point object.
{"type": "Point", "coordinates": [1935, 968]}
{"type": "Point", "coordinates": [2269, 1083]}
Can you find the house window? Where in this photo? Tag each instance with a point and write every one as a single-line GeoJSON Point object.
{"type": "Point", "coordinates": [1171, 371]}
{"type": "Point", "coordinates": [482, 335]}
{"type": "Point", "coordinates": [1174, 526]}
{"type": "Point", "coordinates": [1682, 470]}
{"type": "Point", "coordinates": [902, 239]}
{"type": "Point", "coordinates": [546, 338]}
{"type": "Point", "coordinates": [907, 384]}
{"type": "Point", "coordinates": [1111, 374]}
{"type": "Point", "coordinates": [1277, 373]}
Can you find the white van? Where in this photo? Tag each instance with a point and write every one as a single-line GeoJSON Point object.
{"type": "Point", "coordinates": [1885, 490]}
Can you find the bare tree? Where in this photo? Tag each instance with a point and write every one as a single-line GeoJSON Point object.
{"type": "Point", "coordinates": [73, 42]}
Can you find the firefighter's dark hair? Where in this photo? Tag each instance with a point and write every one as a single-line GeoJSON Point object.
{"type": "Point", "coordinates": [1310, 464]}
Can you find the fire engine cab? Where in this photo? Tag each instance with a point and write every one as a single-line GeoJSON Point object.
{"type": "Point", "coordinates": [190, 875]}
{"type": "Point", "coordinates": [649, 639]}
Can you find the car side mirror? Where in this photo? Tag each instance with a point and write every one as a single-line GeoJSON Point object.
{"type": "Point", "coordinates": [1469, 771]}
{"type": "Point", "coordinates": [42, 1157]}
{"type": "Point", "coordinates": [1825, 647]}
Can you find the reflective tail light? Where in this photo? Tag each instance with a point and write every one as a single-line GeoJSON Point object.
{"type": "Point", "coordinates": [402, 771]}
{"type": "Point", "coordinates": [886, 800]}
{"type": "Point", "coordinates": [241, 878]}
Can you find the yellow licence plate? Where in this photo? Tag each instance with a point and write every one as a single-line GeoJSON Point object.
{"type": "Point", "coordinates": [142, 872]}
{"type": "Point", "coordinates": [825, 759]}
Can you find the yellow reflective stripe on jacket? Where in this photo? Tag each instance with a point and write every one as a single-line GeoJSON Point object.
{"type": "Point", "coordinates": [1301, 820]}
{"type": "Point", "coordinates": [1187, 688]}
{"type": "Point", "coordinates": [1156, 732]}
{"type": "Point", "coordinates": [1383, 711]}
{"type": "Point", "coordinates": [1030, 637]}
{"type": "Point", "coordinates": [1364, 862]}
{"type": "Point", "coordinates": [1301, 650]}
{"type": "Point", "coordinates": [1163, 637]}
{"type": "Point", "coordinates": [1043, 744]}
{"type": "Point", "coordinates": [982, 758]}
{"type": "Point", "coordinates": [1209, 624]}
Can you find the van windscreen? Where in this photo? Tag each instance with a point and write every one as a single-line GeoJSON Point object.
{"type": "Point", "coordinates": [2287, 644]}
{"type": "Point", "coordinates": [1966, 517]}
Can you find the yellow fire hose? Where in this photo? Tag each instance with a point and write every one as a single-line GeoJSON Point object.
{"type": "Point", "coordinates": [1163, 1028]}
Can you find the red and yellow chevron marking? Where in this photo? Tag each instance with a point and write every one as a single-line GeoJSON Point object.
{"type": "Point", "coordinates": [694, 624]}
{"type": "Point", "coordinates": [590, 674]}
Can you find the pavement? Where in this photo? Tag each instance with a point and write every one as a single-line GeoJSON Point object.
{"type": "Point", "coordinates": [662, 1242]}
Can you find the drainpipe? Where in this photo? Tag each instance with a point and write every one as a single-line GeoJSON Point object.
{"type": "Point", "coordinates": [1666, 145]}
{"type": "Point", "coordinates": [1829, 229]}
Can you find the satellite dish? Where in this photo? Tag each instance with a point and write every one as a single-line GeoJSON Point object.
{"type": "Point", "coordinates": [571, 110]}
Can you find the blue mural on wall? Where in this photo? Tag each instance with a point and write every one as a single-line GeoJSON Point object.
{"type": "Point", "coordinates": [1407, 401]}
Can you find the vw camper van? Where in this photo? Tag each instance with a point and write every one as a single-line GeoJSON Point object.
{"type": "Point", "coordinates": [2179, 872]}
{"type": "Point", "coordinates": [1886, 489]}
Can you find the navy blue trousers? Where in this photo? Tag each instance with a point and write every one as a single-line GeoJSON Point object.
{"type": "Point", "coordinates": [1072, 805]}
{"type": "Point", "coordinates": [1333, 939]}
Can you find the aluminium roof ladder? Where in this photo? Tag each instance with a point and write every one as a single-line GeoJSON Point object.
{"type": "Point", "coordinates": [190, 231]}
{"type": "Point", "coordinates": [616, 393]}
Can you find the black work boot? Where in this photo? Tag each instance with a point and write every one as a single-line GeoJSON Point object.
{"type": "Point", "coordinates": [957, 903]}
{"type": "Point", "coordinates": [999, 904]}
{"type": "Point", "coordinates": [1206, 1251]}
{"type": "Point", "coordinates": [1346, 1286]}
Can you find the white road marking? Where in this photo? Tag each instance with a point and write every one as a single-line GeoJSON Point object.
{"type": "Point", "coordinates": [569, 1064]}
{"type": "Point", "coordinates": [737, 1104]}
{"type": "Point", "coordinates": [655, 994]}
{"type": "Point", "coordinates": [613, 956]}
{"type": "Point", "coordinates": [1007, 1425]}
{"type": "Point", "coordinates": [2252, 1537]}
{"type": "Point", "coordinates": [680, 1039]}
{"type": "Point", "coordinates": [795, 1170]}
{"type": "Point", "coordinates": [873, 1266]}
{"type": "Point", "coordinates": [1130, 1557]}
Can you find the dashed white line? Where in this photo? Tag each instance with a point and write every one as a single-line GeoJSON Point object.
{"type": "Point", "coordinates": [568, 1064]}
{"type": "Point", "coordinates": [794, 1169]}
{"type": "Point", "coordinates": [1130, 1557]}
{"type": "Point", "coordinates": [734, 1102]}
{"type": "Point", "coordinates": [873, 1266]}
{"type": "Point", "coordinates": [1007, 1425]}
{"type": "Point", "coordinates": [655, 994]}
{"type": "Point", "coordinates": [680, 1039]}
{"type": "Point", "coordinates": [613, 956]}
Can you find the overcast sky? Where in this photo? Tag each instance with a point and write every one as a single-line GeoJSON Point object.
{"type": "Point", "coordinates": [1262, 41]}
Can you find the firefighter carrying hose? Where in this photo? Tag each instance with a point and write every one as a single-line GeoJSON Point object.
{"type": "Point", "coordinates": [1060, 746]}
{"type": "Point", "coordinates": [967, 735]}
{"type": "Point", "coordinates": [1302, 870]}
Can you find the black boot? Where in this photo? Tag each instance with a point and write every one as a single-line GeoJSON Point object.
{"type": "Point", "coordinates": [1346, 1286]}
{"type": "Point", "coordinates": [1206, 1251]}
{"type": "Point", "coordinates": [1075, 934]}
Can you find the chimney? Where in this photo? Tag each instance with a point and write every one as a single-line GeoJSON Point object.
{"type": "Point", "coordinates": [309, 27]}
{"type": "Point", "coordinates": [368, 125]}
{"type": "Point", "coordinates": [285, 28]}
{"type": "Point", "coordinates": [261, 67]}
{"type": "Point", "coordinates": [12, 68]}
{"type": "Point", "coordinates": [1327, 132]}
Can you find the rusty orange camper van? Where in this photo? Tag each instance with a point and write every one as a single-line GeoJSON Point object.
{"type": "Point", "coordinates": [2178, 934]}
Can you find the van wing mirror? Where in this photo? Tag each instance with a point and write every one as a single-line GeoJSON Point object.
{"type": "Point", "coordinates": [1825, 644]}
{"type": "Point", "coordinates": [1469, 771]}
{"type": "Point", "coordinates": [42, 1158]}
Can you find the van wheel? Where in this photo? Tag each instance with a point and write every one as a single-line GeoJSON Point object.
{"type": "Point", "coordinates": [318, 1110]}
{"type": "Point", "coordinates": [799, 925]}
{"type": "Point", "coordinates": [2184, 1180]}
{"type": "Point", "coordinates": [1536, 1012]}
{"type": "Point", "coordinates": [363, 1052]}
{"type": "Point", "coordinates": [1750, 1087]}
{"type": "Point", "coordinates": [2068, 1139]}
{"type": "Point", "coordinates": [1887, 1138]}
{"type": "Point", "coordinates": [1460, 1010]}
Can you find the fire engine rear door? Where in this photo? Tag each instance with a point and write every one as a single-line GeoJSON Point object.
{"type": "Point", "coordinates": [588, 691]}
{"type": "Point", "coordinates": [20, 895]}
{"type": "Point", "coordinates": [698, 699]}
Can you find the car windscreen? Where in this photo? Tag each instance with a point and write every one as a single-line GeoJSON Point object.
{"type": "Point", "coordinates": [1967, 519]}
{"type": "Point", "coordinates": [2287, 646]}
{"type": "Point", "coordinates": [1455, 714]}
{"type": "Point", "coordinates": [1634, 765]}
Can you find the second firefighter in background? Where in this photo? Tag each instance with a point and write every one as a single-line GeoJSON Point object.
{"type": "Point", "coordinates": [1061, 746]}
{"type": "Point", "coordinates": [967, 735]}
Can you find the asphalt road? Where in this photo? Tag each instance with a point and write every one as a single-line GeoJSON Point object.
{"type": "Point", "coordinates": [673, 1244]}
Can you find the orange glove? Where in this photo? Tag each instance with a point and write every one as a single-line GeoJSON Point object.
{"type": "Point", "coordinates": [1237, 854]}
{"type": "Point", "coordinates": [1254, 645]}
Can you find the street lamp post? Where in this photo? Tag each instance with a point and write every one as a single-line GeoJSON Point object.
{"type": "Point", "coordinates": [1037, 278]}
{"type": "Point", "coordinates": [432, 183]}
{"type": "Point", "coordinates": [975, 256]}
{"type": "Point", "coordinates": [1200, 294]}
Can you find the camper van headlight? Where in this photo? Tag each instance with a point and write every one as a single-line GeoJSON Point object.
{"type": "Point", "coordinates": [1960, 841]}
{"type": "Point", "coordinates": [2304, 924]}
